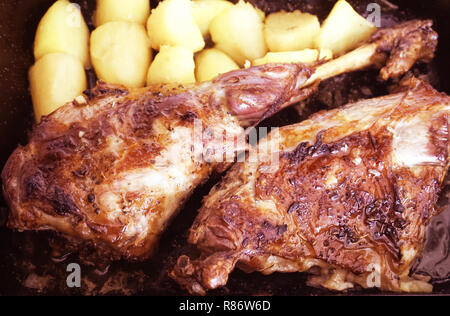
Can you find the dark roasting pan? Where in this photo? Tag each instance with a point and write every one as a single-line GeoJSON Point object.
{"type": "Point", "coordinates": [26, 266]}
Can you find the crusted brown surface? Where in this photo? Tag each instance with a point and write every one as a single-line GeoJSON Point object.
{"type": "Point", "coordinates": [344, 195]}
{"type": "Point", "coordinates": [406, 44]}
{"type": "Point", "coordinates": [110, 170]}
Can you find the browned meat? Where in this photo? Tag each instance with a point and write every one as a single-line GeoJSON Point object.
{"type": "Point", "coordinates": [406, 43]}
{"type": "Point", "coordinates": [350, 194]}
{"type": "Point", "coordinates": [109, 170]}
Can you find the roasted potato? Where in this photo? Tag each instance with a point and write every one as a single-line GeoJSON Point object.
{"type": "Point", "coordinates": [122, 10]}
{"type": "Point", "coordinates": [55, 79]}
{"type": "Point", "coordinates": [121, 53]}
{"type": "Point", "coordinates": [303, 56]}
{"type": "Point", "coordinates": [172, 23]}
{"type": "Point", "coordinates": [205, 11]}
{"type": "Point", "coordinates": [343, 29]}
{"type": "Point", "coordinates": [63, 29]}
{"type": "Point", "coordinates": [325, 54]}
{"type": "Point", "coordinates": [212, 62]}
{"type": "Point", "coordinates": [173, 64]}
{"type": "Point", "coordinates": [238, 31]}
{"type": "Point", "coordinates": [261, 14]}
{"type": "Point", "coordinates": [290, 31]}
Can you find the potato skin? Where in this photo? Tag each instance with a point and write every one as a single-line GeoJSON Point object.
{"type": "Point", "coordinates": [212, 62]}
{"type": "Point", "coordinates": [121, 53]}
{"type": "Point", "coordinates": [290, 31]}
{"type": "Point", "coordinates": [122, 10]}
{"type": "Point", "coordinates": [62, 29]}
{"type": "Point", "coordinates": [55, 79]}
{"type": "Point", "coordinates": [172, 23]}
{"type": "Point", "coordinates": [173, 64]}
{"type": "Point", "coordinates": [238, 31]}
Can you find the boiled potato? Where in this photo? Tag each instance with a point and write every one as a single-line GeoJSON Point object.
{"type": "Point", "coordinates": [62, 29]}
{"type": "Point", "coordinates": [212, 62]}
{"type": "Point", "coordinates": [55, 79]}
{"type": "Point", "coordinates": [172, 23]}
{"type": "Point", "coordinates": [343, 29]}
{"type": "Point", "coordinates": [238, 31]}
{"type": "Point", "coordinates": [290, 31]}
{"type": "Point", "coordinates": [173, 64]}
{"type": "Point", "coordinates": [121, 53]}
{"type": "Point", "coordinates": [205, 11]}
{"type": "Point", "coordinates": [122, 10]}
{"type": "Point", "coordinates": [261, 14]}
{"type": "Point", "coordinates": [302, 56]}
{"type": "Point", "coordinates": [325, 54]}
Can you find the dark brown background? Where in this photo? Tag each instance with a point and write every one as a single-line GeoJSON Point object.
{"type": "Point", "coordinates": [25, 262]}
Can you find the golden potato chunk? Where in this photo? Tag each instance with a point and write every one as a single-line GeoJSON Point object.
{"type": "Point", "coordinates": [55, 79]}
{"type": "Point", "coordinates": [62, 29]}
{"type": "Point", "coordinates": [238, 31]}
{"type": "Point", "coordinates": [290, 31]}
{"type": "Point", "coordinates": [121, 53]}
{"type": "Point", "coordinates": [212, 62]}
{"type": "Point", "coordinates": [173, 64]}
{"type": "Point", "coordinates": [172, 23]}
{"type": "Point", "coordinates": [261, 14]}
{"type": "Point", "coordinates": [343, 29]}
{"type": "Point", "coordinates": [122, 10]}
{"type": "Point", "coordinates": [205, 11]}
{"type": "Point", "coordinates": [302, 56]}
{"type": "Point", "coordinates": [325, 54]}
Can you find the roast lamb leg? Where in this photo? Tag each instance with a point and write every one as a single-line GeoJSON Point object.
{"type": "Point", "coordinates": [349, 197]}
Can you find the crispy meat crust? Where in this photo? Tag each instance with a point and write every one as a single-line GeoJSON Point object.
{"type": "Point", "coordinates": [352, 191]}
{"type": "Point", "coordinates": [405, 44]}
{"type": "Point", "coordinates": [109, 170]}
